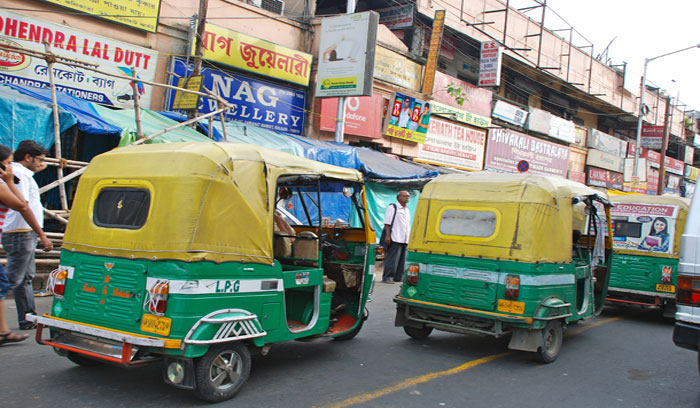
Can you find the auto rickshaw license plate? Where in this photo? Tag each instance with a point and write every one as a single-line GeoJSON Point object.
{"type": "Point", "coordinates": [665, 288]}
{"type": "Point", "coordinates": [155, 324]}
{"type": "Point", "coordinates": [511, 306]}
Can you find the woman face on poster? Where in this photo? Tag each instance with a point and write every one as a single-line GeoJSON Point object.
{"type": "Point", "coordinates": [659, 226]}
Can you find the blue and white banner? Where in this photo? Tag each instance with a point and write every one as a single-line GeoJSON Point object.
{"type": "Point", "coordinates": [257, 102]}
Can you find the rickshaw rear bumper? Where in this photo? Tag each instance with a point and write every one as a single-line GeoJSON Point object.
{"type": "Point", "coordinates": [686, 335]}
{"type": "Point", "coordinates": [99, 343]}
{"type": "Point", "coordinates": [411, 312]}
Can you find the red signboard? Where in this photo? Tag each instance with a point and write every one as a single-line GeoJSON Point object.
{"type": "Point", "coordinates": [362, 115]}
{"type": "Point", "coordinates": [506, 148]}
{"type": "Point", "coordinates": [476, 100]}
{"type": "Point", "coordinates": [604, 178]}
{"type": "Point", "coordinates": [578, 176]}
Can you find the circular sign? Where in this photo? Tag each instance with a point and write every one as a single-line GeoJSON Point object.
{"type": "Point", "coordinates": [523, 166]}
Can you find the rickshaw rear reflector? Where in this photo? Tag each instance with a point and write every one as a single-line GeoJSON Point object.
{"type": "Point", "coordinates": [158, 297]}
{"type": "Point", "coordinates": [412, 274]}
{"type": "Point", "coordinates": [57, 282]}
{"type": "Point", "coordinates": [512, 286]}
{"type": "Point", "coordinates": [688, 290]}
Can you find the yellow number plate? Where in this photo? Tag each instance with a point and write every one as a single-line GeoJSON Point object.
{"type": "Point", "coordinates": [665, 288]}
{"type": "Point", "coordinates": [511, 306]}
{"type": "Point", "coordinates": [155, 324]}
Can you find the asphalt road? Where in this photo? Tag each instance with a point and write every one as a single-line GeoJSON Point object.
{"type": "Point", "coordinates": [625, 358]}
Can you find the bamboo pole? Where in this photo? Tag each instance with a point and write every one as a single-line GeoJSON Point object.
{"type": "Point", "coordinates": [73, 162]}
{"type": "Point", "coordinates": [55, 216]}
{"type": "Point", "coordinates": [56, 126]}
{"type": "Point", "coordinates": [137, 105]}
{"type": "Point", "coordinates": [62, 180]}
{"type": "Point", "coordinates": [179, 125]}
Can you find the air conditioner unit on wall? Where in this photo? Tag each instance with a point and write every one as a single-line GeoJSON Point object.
{"type": "Point", "coordinates": [275, 6]}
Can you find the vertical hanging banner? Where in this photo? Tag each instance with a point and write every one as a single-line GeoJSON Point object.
{"type": "Point", "coordinates": [435, 41]}
{"type": "Point", "coordinates": [491, 58]}
{"type": "Point", "coordinates": [408, 119]}
{"type": "Point", "coordinates": [346, 55]}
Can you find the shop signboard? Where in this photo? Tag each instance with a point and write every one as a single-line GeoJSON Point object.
{"type": "Point", "coordinates": [506, 148]}
{"type": "Point", "coordinates": [689, 154]}
{"type": "Point", "coordinates": [446, 111]}
{"type": "Point", "coordinates": [652, 136]}
{"type": "Point", "coordinates": [539, 120]}
{"type": "Point", "coordinates": [645, 227]}
{"type": "Point", "coordinates": [475, 100]}
{"type": "Point", "coordinates": [673, 184]}
{"type": "Point", "coordinates": [652, 181]}
{"type": "Point", "coordinates": [696, 140]}
{"type": "Point", "coordinates": [253, 101]}
{"type": "Point", "coordinates": [140, 14]}
{"type": "Point", "coordinates": [346, 60]}
{"type": "Point", "coordinates": [606, 143]}
{"type": "Point", "coordinates": [562, 129]}
{"type": "Point", "coordinates": [447, 46]}
{"type": "Point", "coordinates": [509, 113]}
{"type": "Point", "coordinates": [450, 144]}
{"type": "Point", "coordinates": [605, 160]}
{"type": "Point", "coordinates": [409, 118]}
{"type": "Point", "coordinates": [115, 57]}
{"type": "Point", "coordinates": [604, 178]}
{"type": "Point", "coordinates": [393, 67]}
{"type": "Point", "coordinates": [690, 189]}
{"type": "Point", "coordinates": [363, 115]}
{"type": "Point", "coordinates": [491, 58]}
{"type": "Point", "coordinates": [692, 173]}
{"type": "Point", "coordinates": [674, 166]}
{"type": "Point", "coordinates": [396, 17]}
{"type": "Point", "coordinates": [252, 54]}
{"type": "Point", "coordinates": [580, 136]}
{"type": "Point", "coordinates": [577, 176]}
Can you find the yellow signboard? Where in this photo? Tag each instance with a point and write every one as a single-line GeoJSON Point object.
{"type": "Point", "coordinates": [141, 14]}
{"type": "Point", "coordinates": [440, 109]}
{"type": "Point", "coordinates": [435, 40]}
{"type": "Point", "coordinates": [186, 100]}
{"type": "Point", "coordinates": [393, 67]}
{"type": "Point", "coordinates": [255, 55]}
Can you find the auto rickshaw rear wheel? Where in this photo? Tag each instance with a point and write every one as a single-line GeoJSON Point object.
{"type": "Point", "coordinates": [81, 360]}
{"type": "Point", "coordinates": [552, 337]}
{"type": "Point", "coordinates": [221, 372]}
{"type": "Point", "coordinates": [418, 333]}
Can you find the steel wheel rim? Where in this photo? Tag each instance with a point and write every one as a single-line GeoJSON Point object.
{"type": "Point", "coordinates": [226, 369]}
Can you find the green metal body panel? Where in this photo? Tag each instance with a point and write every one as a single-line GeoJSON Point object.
{"type": "Point", "coordinates": [636, 277]}
{"type": "Point", "coordinates": [111, 293]}
{"type": "Point", "coordinates": [472, 287]}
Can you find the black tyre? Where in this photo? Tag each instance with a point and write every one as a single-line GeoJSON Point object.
{"type": "Point", "coordinates": [81, 360]}
{"type": "Point", "coordinates": [221, 372]}
{"type": "Point", "coordinates": [552, 337]}
{"type": "Point", "coordinates": [418, 333]}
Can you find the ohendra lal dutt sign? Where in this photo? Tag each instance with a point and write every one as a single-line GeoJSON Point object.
{"type": "Point", "coordinates": [505, 148]}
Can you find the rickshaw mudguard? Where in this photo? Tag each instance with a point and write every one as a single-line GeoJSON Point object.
{"type": "Point", "coordinates": [223, 326]}
{"type": "Point", "coordinates": [551, 308]}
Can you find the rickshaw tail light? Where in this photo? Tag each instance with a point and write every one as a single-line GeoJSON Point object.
{"type": "Point", "coordinates": [159, 298]}
{"type": "Point", "coordinates": [412, 274]}
{"type": "Point", "coordinates": [512, 286]}
{"type": "Point", "coordinates": [57, 282]}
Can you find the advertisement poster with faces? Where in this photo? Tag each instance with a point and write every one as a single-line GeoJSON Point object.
{"type": "Point", "coordinates": [644, 227]}
{"type": "Point", "coordinates": [409, 118]}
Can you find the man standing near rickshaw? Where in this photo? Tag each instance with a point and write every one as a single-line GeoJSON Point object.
{"type": "Point", "coordinates": [397, 226]}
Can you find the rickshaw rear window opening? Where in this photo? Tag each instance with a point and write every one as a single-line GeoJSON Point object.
{"type": "Point", "coordinates": [468, 223]}
{"type": "Point", "coordinates": [122, 208]}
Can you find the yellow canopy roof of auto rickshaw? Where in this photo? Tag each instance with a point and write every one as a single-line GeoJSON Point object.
{"type": "Point", "coordinates": [535, 215]}
{"type": "Point", "coordinates": [683, 205]}
{"type": "Point", "coordinates": [209, 201]}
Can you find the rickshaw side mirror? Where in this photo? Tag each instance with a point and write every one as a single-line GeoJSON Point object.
{"type": "Point", "coordinates": [347, 191]}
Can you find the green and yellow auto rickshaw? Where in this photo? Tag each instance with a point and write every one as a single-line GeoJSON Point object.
{"type": "Point", "coordinates": [647, 234]}
{"type": "Point", "coordinates": [172, 254]}
{"type": "Point", "coordinates": [505, 254]}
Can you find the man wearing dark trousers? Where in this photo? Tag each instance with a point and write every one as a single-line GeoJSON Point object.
{"type": "Point", "coordinates": [397, 224]}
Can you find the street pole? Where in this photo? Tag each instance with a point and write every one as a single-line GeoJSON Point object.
{"type": "Point", "coordinates": [199, 46]}
{"type": "Point", "coordinates": [641, 107]}
{"type": "Point", "coordinates": [340, 113]}
{"type": "Point", "coordinates": [664, 143]}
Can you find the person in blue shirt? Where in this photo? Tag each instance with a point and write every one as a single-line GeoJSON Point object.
{"type": "Point", "coordinates": [658, 239]}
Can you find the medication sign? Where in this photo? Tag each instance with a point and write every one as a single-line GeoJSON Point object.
{"type": "Point", "coordinates": [490, 64]}
{"type": "Point", "coordinates": [110, 55]}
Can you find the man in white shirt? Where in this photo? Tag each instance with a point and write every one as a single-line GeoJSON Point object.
{"type": "Point", "coordinates": [18, 239]}
{"type": "Point", "coordinates": [397, 224]}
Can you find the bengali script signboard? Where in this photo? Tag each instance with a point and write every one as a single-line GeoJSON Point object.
{"type": "Point", "coordinates": [393, 67]}
{"type": "Point", "coordinates": [115, 57]}
{"type": "Point", "coordinates": [506, 148]}
{"type": "Point", "coordinates": [141, 14]}
{"type": "Point", "coordinates": [476, 100]}
{"type": "Point", "coordinates": [453, 145]}
{"type": "Point", "coordinates": [255, 55]}
{"type": "Point", "coordinates": [440, 109]}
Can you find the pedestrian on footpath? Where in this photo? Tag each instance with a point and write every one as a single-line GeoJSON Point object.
{"type": "Point", "coordinates": [18, 236]}
{"type": "Point", "coordinates": [397, 226]}
{"type": "Point", "coordinates": [10, 198]}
